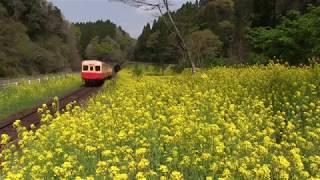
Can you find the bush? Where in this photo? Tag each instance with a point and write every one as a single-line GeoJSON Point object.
{"type": "Point", "coordinates": [257, 59]}
{"type": "Point", "coordinates": [212, 62]}
{"type": "Point", "coordinates": [178, 68]}
{"type": "Point", "coordinates": [156, 69]}
{"type": "Point", "coordinates": [137, 72]}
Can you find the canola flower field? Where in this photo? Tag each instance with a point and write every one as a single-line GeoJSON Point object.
{"type": "Point", "coordinates": [223, 123]}
{"type": "Point", "coordinates": [16, 98]}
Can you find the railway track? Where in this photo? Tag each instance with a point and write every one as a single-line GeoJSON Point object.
{"type": "Point", "coordinates": [31, 116]}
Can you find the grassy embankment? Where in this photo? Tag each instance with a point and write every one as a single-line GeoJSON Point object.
{"type": "Point", "coordinates": [16, 98]}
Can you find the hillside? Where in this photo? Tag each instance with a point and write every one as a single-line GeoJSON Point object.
{"type": "Point", "coordinates": [35, 38]}
{"type": "Point", "coordinates": [103, 40]}
{"type": "Point", "coordinates": [235, 31]}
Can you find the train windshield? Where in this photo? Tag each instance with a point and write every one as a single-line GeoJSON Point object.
{"type": "Point", "coordinates": [98, 68]}
{"type": "Point", "coordinates": [85, 68]}
{"type": "Point", "coordinates": [91, 68]}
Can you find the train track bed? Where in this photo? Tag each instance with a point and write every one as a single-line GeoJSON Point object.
{"type": "Point", "coordinates": [31, 116]}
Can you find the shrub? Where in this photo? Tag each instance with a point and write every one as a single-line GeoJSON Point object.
{"type": "Point", "coordinates": [137, 72]}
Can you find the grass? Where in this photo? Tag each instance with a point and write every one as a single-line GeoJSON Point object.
{"type": "Point", "coordinates": [16, 98]}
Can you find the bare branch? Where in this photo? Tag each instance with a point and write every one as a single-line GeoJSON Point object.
{"type": "Point", "coordinates": [141, 3]}
{"type": "Point", "coordinates": [160, 5]}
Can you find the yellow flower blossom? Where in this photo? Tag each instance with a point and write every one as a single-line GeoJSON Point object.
{"type": "Point", "coordinates": [258, 122]}
{"type": "Point", "coordinates": [176, 175]}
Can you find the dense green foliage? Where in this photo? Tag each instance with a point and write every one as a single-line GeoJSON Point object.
{"type": "Point", "coordinates": [295, 39]}
{"type": "Point", "coordinates": [230, 22]}
{"type": "Point", "coordinates": [34, 38]}
{"type": "Point", "coordinates": [103, 40]}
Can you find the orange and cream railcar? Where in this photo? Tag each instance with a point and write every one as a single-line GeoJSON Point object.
{"type": "Point", "coordinates": [95, 72]}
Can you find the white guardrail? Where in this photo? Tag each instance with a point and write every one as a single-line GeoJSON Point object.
{"type": "Point", "coordinates": [29, 80]}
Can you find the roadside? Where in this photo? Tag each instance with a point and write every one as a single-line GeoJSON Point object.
{"type": "Point", "coordinates": [14, 98]}
{"type": "Point", "coordinates": [30, 79]}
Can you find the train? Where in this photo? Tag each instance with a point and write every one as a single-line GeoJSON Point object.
{"type": "Point", "coordinates": [95, 72]}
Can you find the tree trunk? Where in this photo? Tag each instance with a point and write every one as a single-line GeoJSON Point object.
{"type": "Point", "coordinates": [180, 41]}
{"type": "Point", "coordinates": [162, 68]}
{"type": "Point", "coordinates": [193, 66]}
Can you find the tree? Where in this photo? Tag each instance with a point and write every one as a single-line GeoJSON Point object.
{"type": "Point", "coordinates": [141, 50]}
{"type": "Point", "coordinates": [161, 6]}
{"type": "Point", "coordinates": [205, 45]}
{"type": "Point", "coordinates": [102, 31]}
{"type": "Point", "coordinates": [96, 50]}
{"type": "Point", "coordinates": [242, 15]}
{"type": "Point", "coordinates": [35, 38]}
{"type": "Point", "coordinates": [153, 42]}
{"type": "Point", "coordinates": [125, 41]}
{"type": "Point", "coordinates": [295, 39]}
{"type": "Point", "coordinates": [218, 16]}
{"type": "Point", "coordinates": [107, 49]}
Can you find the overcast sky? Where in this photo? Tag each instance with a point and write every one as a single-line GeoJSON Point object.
{"type": "Point", "coordinates": [130, 19]}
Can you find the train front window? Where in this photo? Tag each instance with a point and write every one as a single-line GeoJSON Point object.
{"type": "Point", "coordinates": [85, 68]}
{"type": "Point", "coordinates": [91, 68]}
{"type": "Point", "coordinates": [98, 68]}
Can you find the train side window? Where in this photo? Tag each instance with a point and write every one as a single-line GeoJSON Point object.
{"type": "Point", "coordinates": [85, 68]}
{"type": "Point", "coordinates": [98, 68]}
{"type": "Point", "coordinates": [91, 68]}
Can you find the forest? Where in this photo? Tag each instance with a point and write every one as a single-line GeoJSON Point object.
{"type": "Point", "coordinates": [227, 32]}
{"type": "Point", "coordinates": [34, 39]}
{"type": "Point", "coordinates": [103, 40]}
